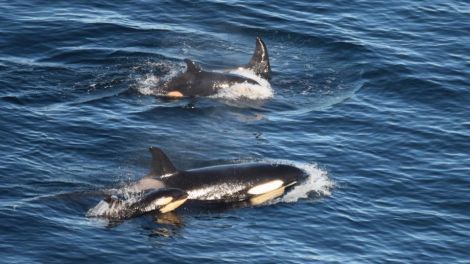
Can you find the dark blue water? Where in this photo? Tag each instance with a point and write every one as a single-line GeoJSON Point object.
{"type": "Point", "coordinates": [371, 97]}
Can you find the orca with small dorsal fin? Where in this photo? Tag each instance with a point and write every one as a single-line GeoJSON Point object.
{"type": "Point", "coordinates": [160, 200]}
{"type": "Point", "coordinates": [196, 81]}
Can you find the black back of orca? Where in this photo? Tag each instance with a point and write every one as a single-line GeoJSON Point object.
{"type": "Point", "coordinates": [198, 82]}
{"type": "Point", "coordinates": [231, 182]}
{"type": "Point", "coordinates": [225, 182]}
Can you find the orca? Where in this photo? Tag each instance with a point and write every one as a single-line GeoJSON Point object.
{"type": "Point", "coordinates": [160, 200]}
{"type": "Point", "coordinates": [196, 81]}
{"type": "Point", "coordinates": [255, 183]}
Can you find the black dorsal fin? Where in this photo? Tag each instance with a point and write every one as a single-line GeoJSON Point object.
{"type": "Point", "coordinates": [191, 66]}
{"type": "Point", "coordinates": [161, 165]}
{"type": "Point", "coordinates": [259, 62]}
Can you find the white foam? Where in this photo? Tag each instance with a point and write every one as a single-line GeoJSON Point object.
{"type": "Point", "coordinates": [148, 84]}
{"type": "Point", "coordinates": [317, 182]}
{"type": "Point", "coordinates": [103, 209]}
{"type": "Point", "coordinates": [260, 91]}
{"type": "Point", "coordinates": [114, 209]}
{"type": "Point", "coordinates": [215, 192]}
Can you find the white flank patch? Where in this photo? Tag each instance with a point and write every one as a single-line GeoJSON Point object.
{"type": "Point", "coordinates": [266, 187]}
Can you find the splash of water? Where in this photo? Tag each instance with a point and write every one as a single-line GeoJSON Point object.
{"type": "Point", "coordinates": [148, 84]}
{"type": "Point", "coordinates": [109, 209]}
{"type": "Point", "coordinates": [317, 182]}
{"type": "Point", "coordinates": [128, 195]}
{"type": "Point", "coordinates": [260, 91]}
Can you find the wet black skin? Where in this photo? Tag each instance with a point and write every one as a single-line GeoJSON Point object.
{"type": "Point", "coordinates": [198, 82]}
{"type": "Point", "coordinates": [247, 175]}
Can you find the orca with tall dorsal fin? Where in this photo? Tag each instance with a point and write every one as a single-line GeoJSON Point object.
{"type": "Point", "coordinates": [165, 188]}
{"type": "Point", "coordinates": [196, 81]}
{"type": "Point", "coordinates": [259, 62]}
{"type": "Point", "coordinates": [253, 182]}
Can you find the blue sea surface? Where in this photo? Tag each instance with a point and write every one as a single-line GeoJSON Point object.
{"type": "Point", "coordinates": [372, 98]}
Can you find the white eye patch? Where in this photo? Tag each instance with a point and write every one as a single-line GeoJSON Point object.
{"type": "Point", "coordinates": [265, 187]}
{"type": "Point", "coordinates": [163, 201]}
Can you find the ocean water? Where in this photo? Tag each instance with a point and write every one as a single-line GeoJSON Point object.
{"type": "Point", "coordinates": [370, 97]}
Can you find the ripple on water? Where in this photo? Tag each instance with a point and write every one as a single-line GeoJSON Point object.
{"type": "Point", "coordinates": [374, 93]}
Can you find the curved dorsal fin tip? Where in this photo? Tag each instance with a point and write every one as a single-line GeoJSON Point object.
{"type": "Point", "coordinates": [259, 62]}
{"type": "Point", "coordinates": [191, 66]}
{"type": "Point", "coordinates": [161, 164]}
{"type": "Point", "coordinates": [259, 42]}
